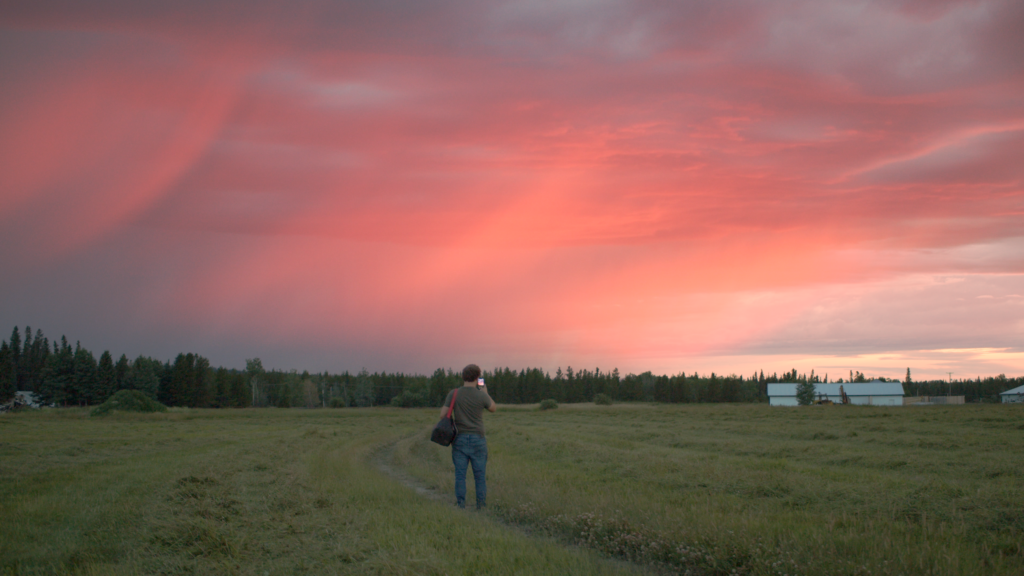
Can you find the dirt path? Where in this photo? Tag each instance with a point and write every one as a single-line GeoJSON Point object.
{"type": "Point", "coordinates": [381, 459]}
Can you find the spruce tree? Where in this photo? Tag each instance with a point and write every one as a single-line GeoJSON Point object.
{"type": "Point", "coordinates": [50, 391]}
{"type": "Point", "coordinates": [40, 352]}
{"type": "Point", "coordinates": [25, 362]}
{"type": "Point", "coordinates": [106, 379]}
{"type": "Point", "coordinates": [179, 381]}
{"type": "Point", "coordinates": [222, 385]}
{"type": "Point", "coordinates": [121, 370]}
{"type": "Point", "coordinates": [165, 374]}
{"type": "Point", "coordinates": [8, 377]}
{"type": "Point", "coordinates": [200, 392]}
{"type": "Point", "coordinates": [15, 346]}
{"type": "Point", "coordinates": [58, 380]}
{"type": "Point", "coordinates": [85, 390]}
{"type": "Point", "coordinates": [364, 393]}
{"type": "Point", "coordinates": [144, 376]}
{"type": "Point", "coordinates": [438, 387]}
{"type": "Point", "coordinates": [238, 392]}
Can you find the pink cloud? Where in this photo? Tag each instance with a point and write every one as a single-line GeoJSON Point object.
{"type": "Point", "coordinates": [642, 180]}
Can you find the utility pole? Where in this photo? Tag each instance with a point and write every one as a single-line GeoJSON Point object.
{"type": "Point", "coordinates": [950, 384]}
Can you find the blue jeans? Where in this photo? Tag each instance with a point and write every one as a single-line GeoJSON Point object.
{"type": "Point", "coordinates": [470, 449]}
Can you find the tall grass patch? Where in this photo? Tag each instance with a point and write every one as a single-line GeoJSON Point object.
{"type": "Point", "coordinates": [763, 490]}
{"type": "Point", "coordinates": [242, 492]}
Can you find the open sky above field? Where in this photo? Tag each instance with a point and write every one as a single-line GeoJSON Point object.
{"type": "Point", "coordinates": [400, 185]}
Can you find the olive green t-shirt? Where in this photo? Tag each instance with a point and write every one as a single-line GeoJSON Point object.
{"type": "Point", "coordinates": [470, 404]}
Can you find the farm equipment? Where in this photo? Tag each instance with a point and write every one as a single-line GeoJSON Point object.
{"type": "Point", "coordinates": [823, 399]}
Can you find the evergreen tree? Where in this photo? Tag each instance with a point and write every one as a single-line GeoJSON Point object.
{"type": "Point", "coordinates": [222, 385]}
{"type": "Point", "coordinates": [714, 389]}
{"type": "Point", "coordinates": [144, 376]}
{"type": "Point", "coordinates": [58, 381]}
{"type": "Point", "coordinates": [439, 384]}
{"type": "Point", "coordinates": [25, 362]}
{"type": "Point", "coordinates": [186, 381]}
{"type": "Point", "coordinates": [200, 392]}
{"type": "Point", "coordinates": [569, 393]}
{"type": "Point", "coordinates": [106, 378]}
{"type": "Point", "coordinates": [85, 381]}
{"type": "Point", "coordinates": [40, 352]}
{"type": "Point", "coordinates": [121, 372]}
{"type": "Point", "coordinates": [15, 347]}
{"type": "Point", "coordinates": [364, 389]}
{"type": "Point", "coordinates": [238, 391]}
{"type": "Point", "coordinates": [8, 373]}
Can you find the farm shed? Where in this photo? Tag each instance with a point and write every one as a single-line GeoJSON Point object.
{"type": "Point", "coordinates": [27, 398]}
{"type": "Point", "coordinates": [875, 393]}
{"type": "Point", "coordinates": [1013, 395]}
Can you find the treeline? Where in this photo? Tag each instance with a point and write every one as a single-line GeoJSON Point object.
{"type": "Point", "coordinates": [977, 390]}
{"type": "Point", "coordinates": [64, 375]}
{"type": "Point", "coordinates": [60, 374]}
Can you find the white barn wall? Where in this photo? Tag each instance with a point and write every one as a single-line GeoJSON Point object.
{"type": "Point", "coordinates": [874, 393]}
{"type": "Point", "coordinates": [1013, 395]}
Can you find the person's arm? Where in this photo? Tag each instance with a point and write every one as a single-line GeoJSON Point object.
{"type": "Point", "coordinates": [493, 406]}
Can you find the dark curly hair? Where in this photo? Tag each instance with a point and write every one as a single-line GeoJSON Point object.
{"type": "Point", "coordinates": [470, 373]}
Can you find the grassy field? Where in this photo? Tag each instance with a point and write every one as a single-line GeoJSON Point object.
{"type": "Point", "coordinates": [623, 489]}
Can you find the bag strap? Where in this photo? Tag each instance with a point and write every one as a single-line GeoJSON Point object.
{"type": "Point", "coordinates": [452, 407]}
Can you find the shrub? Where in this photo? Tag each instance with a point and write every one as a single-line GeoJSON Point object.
{"type": "Point", "coordinates": [337, 402]}
{"type": "Point", "coordinates": [548, 404]}
{"type": "Point", "coordinates": [128, 401]}
{"type": "Point", "coordinates": [409, 399]}
{"type": "Point", "coordinates": [603, 400]}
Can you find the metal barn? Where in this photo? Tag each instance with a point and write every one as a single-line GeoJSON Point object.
{"type": "Point", "coordinates": [1013, 395]}
{"type": "Point", "coordinates": [874, 393]}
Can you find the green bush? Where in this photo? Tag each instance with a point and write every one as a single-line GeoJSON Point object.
{"type": "Point", "coordinates": [603, 400]}
{"type": "Point", "coordinates": [337, 403]}
{"type": "Point", "coordinates": [128, 401]}
{"type": "Point", "coordinates": [548, 404]}
{"type": "Point", "coordinates": [409, 399]}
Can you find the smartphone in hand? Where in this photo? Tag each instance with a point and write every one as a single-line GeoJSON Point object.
{"type": "Point", "coordinates": [479, 382]}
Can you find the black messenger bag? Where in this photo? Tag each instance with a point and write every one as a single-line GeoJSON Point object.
{"type": "Point", "coordinates": [445, 432]}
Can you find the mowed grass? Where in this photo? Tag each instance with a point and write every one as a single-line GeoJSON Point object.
{"type": "Point", "coordinates": [704, 489]}
{"type": "Point", "coordinates": [723, 489]}
{"type": "Point", "coordinates": [258, 492]}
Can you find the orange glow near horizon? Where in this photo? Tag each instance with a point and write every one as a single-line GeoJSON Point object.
{"type": "Point", "coordinates": [699, 186]}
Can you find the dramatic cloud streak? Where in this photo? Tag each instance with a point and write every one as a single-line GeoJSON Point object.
{"type": "Point", "coordinates": [401, 185]}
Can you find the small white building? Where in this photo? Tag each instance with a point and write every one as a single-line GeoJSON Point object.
{"type": "Point", "coordinates": [874, 393]}
{"type": "Point", "coordinates": [1013, 395]}
{"type": "Point", "coordinates": [27, 398]}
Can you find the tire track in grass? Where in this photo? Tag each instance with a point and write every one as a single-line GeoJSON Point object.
{"type": "Point", "coordinates": [380, 458]}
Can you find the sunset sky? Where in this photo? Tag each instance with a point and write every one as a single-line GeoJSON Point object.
{"type": "Point", "coordinates": [673, 186]}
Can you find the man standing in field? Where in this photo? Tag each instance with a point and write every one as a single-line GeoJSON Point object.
{"type": "Point", "coordinates": [470, 446]}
